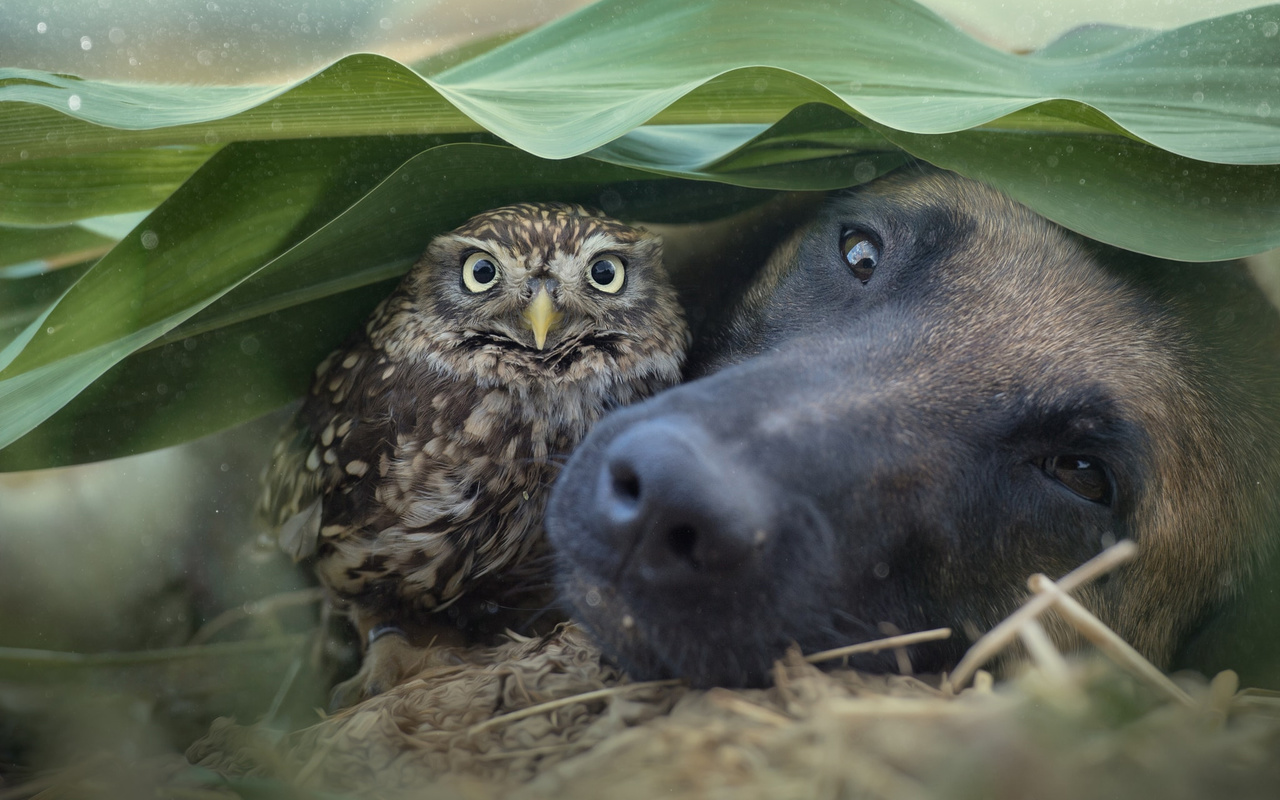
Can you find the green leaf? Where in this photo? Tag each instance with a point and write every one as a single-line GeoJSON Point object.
{"type": "Point", "coordinates": [1156, 203]}
{"type": "Point", "coordinates": [53, 191]}
{"type": "Point", "coordinates": [114, 226]}
{"type": "Point", "coordinates": [586, 82]}
{"type": "Point", "coordinates": [25, 295]}
{"type": "Point", "coordinates": [359, 95]}
{"type": "Point", "coordinates": [276, 215]}
{"type": "Point", "coordinates": [1094, 40]}
{"type": "Point", "coordinates": [227, 322]}
{"type": "Point", "coordinates": [813, 148]}
{"type": "Point", "coordinates": [28, 251]}
{"type": "Point", "coordinates": [188, 253]}
{"type": "Point", "coordinates": [1203, 91]}
{"type": "Point", "coordinates": [1114, 190]}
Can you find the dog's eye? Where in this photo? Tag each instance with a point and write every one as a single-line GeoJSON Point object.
{"type": "Point", "coordinates": [860, 253]}
{"type": "Point", "coordinates": [1083, 475]}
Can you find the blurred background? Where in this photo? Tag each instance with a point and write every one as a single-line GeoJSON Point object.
{"type": "Point", "coordinates": [106, 568]}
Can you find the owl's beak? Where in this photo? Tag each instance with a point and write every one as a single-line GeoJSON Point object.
{"type": "Point", "coordinates": [541, 316]}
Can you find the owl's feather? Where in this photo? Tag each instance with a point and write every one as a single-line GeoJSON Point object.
{"type": "Point", "coordinates": [418, 467]}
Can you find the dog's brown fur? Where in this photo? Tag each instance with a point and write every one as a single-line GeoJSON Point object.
{"type": "Point", "coordinates": [909, 416]}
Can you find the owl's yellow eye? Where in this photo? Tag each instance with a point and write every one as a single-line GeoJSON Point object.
{"type": "Point", "coordinates": [479, 272]}
{"type": "Point", "coordinates": [606, 274]}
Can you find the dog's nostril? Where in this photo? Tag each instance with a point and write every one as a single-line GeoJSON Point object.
{"type": "Point", "coordinates": [671, 508]}
{"type": "Point", "coordinates": [626, 484]}
{"type": "Point", "coordinates": [681, 540]}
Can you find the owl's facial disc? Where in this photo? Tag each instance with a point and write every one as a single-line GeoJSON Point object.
{"type": "Point", "coordinates": [541, 316]}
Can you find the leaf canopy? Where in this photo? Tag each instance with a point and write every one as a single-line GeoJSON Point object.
{"type": "Point", "coordinates": [250, 227]}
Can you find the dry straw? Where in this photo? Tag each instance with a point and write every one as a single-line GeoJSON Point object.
{"type": "Point", "coordinates": [550, 717]}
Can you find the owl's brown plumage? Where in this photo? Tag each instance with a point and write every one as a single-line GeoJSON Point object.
{"type": "Point", "coordinates": [418, 467]}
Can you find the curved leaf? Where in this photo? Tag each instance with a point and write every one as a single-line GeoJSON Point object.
{"type": "Point", "coordinates": [28, 251]}
{"type": "Point", "coordinates": [24, 297]}
{"type": "Point", "coordinates": [290, 209]}
{"type": "Point", "coordinates": [1125, 193]}
{"type": "Point", "coordinates": [189, 252]}
{"type": "Point", "coordinates": [1115, 190]}
{"type": "Point", "coordinates": [227, 321]}
{"type": "Point", "coordinates": [1204, 91]}
{"type": "Point", "coordinates": [813, 148]}
{"type": "Point", "coordinates": [53, 191]}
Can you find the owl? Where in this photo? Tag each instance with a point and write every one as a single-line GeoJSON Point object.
{"type": "Point", "coordinates": [416, 472]}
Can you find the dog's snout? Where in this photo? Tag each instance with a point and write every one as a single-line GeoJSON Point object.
{"type": "Point", "coordinates": [675, 508]}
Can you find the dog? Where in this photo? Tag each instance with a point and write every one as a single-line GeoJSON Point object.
{"type": "Point", "coordinates": [926, 395]}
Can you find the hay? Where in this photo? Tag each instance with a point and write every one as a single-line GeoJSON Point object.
{"type": "Point", "coordinates": [549, 717]}
{"type": "Point", "coordinates": [498, 714]}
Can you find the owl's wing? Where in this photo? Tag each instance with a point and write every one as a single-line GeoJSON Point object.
{"type": "Point", "coordinates": [347, 423]}
{"type": "Point", "coordinates": [289, 505]}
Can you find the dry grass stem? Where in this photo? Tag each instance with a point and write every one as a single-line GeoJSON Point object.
{"type": "Point", "coordinates": [531, 752]}
{"type": "Point", "coordinates": [723, 698]}
{"type": "Point", "coordinates": [552, 705]}
{"type": "Point", "coordinates": [1106, 639]}
{"type": "Point", "coordinates": [314, 763]}
{"type": "Point", "coordinates": [903, 658]}
{"type": "Point", "coordinates": [984, 682]}
{"type": "Point", "coordinates": [886, 707]}
{"type": "Point", "coordinates": [1003, 634]}
{"type": "Point", "coordinates": [1264, 700]}
{"type": "Point", "coordinates": [1062, 730]}
{"type": "Point", "coordinates": [1104, 562]}
{"type": "Point", "coordinates": [1043, 651]}
{"type": "Point", "coordinates": [1217, 701]}
{"type": "Point", "coordinates": [888, 643]}
{"type": "Point", "coordinates": [994, 641]}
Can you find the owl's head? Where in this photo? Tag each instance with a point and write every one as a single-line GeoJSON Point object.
{"type": "Point", "coordinates": [538, 275]}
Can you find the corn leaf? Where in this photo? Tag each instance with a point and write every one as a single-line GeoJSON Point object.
{"type": "Point", "coordinates": [250, 227]}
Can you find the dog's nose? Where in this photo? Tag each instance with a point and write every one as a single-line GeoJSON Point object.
{"type": "Point", "coordinates": [674, 509]}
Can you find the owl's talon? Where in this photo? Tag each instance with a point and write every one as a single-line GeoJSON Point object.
{"type": "Point", "coordinates": [389, 660]}
{"type": "Point", "coordinates": [347, 693]}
